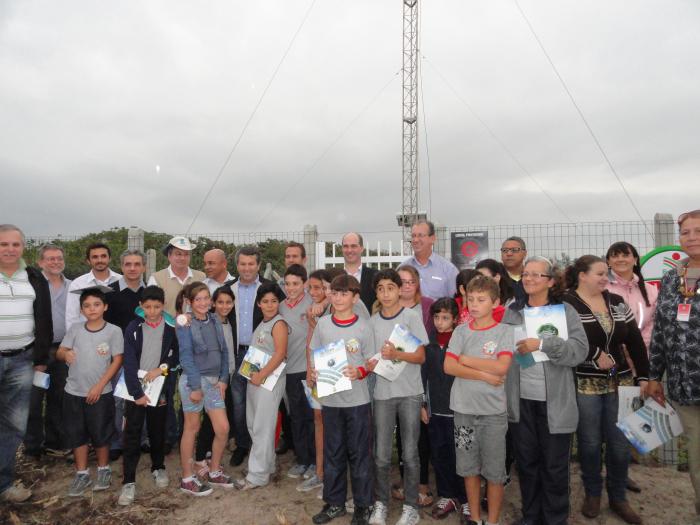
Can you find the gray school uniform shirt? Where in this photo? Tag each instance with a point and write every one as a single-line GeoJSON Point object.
{"type": "Point", "coordinates": [409, 382]}
{"type": "Point", "coordinates": [472, 396]}
{"type": "Point", "coordinates": [359, 345]}
{"type": "Point", "coordinates": [93, 356]}
{"type": "Point", "coordinates": [299, 328]}
{"type": "Point", "coordinates": [262, 336]}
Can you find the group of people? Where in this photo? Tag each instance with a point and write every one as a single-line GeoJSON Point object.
{"type": "Point", "coordinates": [466, 400]}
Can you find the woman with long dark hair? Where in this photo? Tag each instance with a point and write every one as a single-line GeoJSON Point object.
{"type": "Point", "coordinates": [496, 270]}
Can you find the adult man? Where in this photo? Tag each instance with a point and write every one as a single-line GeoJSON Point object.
{"type": "Point", "coordinates": [45, 427]}
{"type": "Point", "coordinates": [294, 253]}
{"type": "Point", "coordinates": [98, 256]}
{"type": "Point", "coordinates": [248, 316]}
{"type": "Point", "coordinates": [353, 245]}
{"type": "Point", "coordinates": [437, 274]}
{"type": "Point", "coordinates": [25, 325]}
{"type": "Point", "coordinates": [513, 254]}
{"type": "Point", "coordinates": [127, 290]}
{"type": "Point", "coordinates": [215, 269]}
{"type": "Point", "coordinates": [173, 278]}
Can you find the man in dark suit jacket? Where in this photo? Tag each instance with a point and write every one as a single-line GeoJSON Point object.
{"type": "Point", "coordinates": [353, 245]}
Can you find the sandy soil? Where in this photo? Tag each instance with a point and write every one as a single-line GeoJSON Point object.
{"type": "Point", "coordinates": [666, 498]}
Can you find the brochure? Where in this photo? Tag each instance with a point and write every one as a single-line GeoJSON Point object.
{"type": "Point", "coordinates": [524, 360]}
{"type": "Point", "coordinates": [629, 401]}
{"type": "Point", "coordinates": [41, 380]}
{"type": "Point", "coordinates": [150, 388]}
{"type": "Point", "coordinates": [542, 322]}
{"type": "Point", "coordinates": [311, 395]}
{"type": "Point", "coordinates": [651, 426]}
{"type": "Point", "coordinates": [404, 341]}
{"type": "Point", "coordinates": [330, 361]}
{"type": "Point", "coordinates": [254, 361]}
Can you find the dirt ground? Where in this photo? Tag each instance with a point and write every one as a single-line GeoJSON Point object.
{"type": "Point", "coordinates": [666, 498]}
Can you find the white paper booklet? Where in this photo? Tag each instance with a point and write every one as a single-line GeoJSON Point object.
{"type": "Point", "coordinates": [150, 388]}
{"type": "Point", "coordinates": [542, 322]}
{"type": "Point", "coordinates": [651, 426]}
{"type": "Point", "coordinates": [254, 361]}
{"type": "Point", "coordinates": [41, 380]}
{"type": "Point", "coordinates": [330, 361]}
{"type": "Point", "coordinates": [629, 401]}
{"type": "Point", "coordinates": [404, 341]}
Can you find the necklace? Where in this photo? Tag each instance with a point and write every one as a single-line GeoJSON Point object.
{"type": "Point", "coordinates": [683, 288]}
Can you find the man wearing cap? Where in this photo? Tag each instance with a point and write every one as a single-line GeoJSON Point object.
{"type": "Point", "coordinates": [215, 269]}
{"type": "Point", "coordinates": [25, 325]}
{"type": "Point", "coordinates": [438, 276]}
{"type": "Point", "coordinates": [173, 278]}
{"type": "Point", "coordinates": [98, 256]}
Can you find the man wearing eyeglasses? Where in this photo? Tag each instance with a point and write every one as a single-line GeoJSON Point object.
{"type": "Point", "coordinates": [25, 325]}
{"type": "Point", "coordinates": [437, 275]}
{"type": "Point", "coordinates": [513, 254]}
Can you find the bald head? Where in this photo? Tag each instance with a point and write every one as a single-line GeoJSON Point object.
{"type": "Point", "coordinates": [215, 265]}
{"type": "Point", "coordinates": [352, 249]}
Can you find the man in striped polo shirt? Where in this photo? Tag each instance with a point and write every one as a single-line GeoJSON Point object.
{"type": "Point", "coordinates": [25, 337]}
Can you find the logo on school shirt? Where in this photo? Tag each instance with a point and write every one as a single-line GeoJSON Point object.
{"type": "Point", "coordinates": [303, 317]}
{"type": "Point", "coordinates": [489, 349]}
{"type": "Point", "coordinates": [103, 349]}
{"type": "Point", "coordinates": [261, 338]}
{"type": "Point", "coordinates": [352, 346]}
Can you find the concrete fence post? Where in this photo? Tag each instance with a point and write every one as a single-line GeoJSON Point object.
{"type": "Point", "coordinates": [310, 238]}
{"type": "Point", "coordinates": [664, 229]}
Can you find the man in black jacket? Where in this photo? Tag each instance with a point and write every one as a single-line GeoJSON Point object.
{"type": "Point", "coordinates": [353, 245]}
{"type": "Point", "coordinates": [25, 323]}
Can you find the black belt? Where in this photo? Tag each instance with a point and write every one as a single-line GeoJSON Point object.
{"type": "Point", "coordinates": [15, 351]}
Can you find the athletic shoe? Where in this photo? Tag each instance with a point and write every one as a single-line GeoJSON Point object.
{"type": "Point", "coordinates": [244, 484]}
{"type": "Point", "coordinates": [17, 493]}
{"type": "Point", "coordinates": [194, 487]}
{"type": "Point", "coordinates": [310, 472]}
{"type": "Point", "coordinates": [310, 484]}
{"type": "Point", "coordinates": [128, 494]}
{"type": "Point", "coordinates": [81, 482]}
{"type": "Point", "coordinates": [160, 478]}
{"type": "Point", "coordinates": [201, 468]}
{"type": "Point", "coordinates": [328, 513]}
{"type": "Point", "coordinates": [465, 514]}
{"type": "Point", "coordinates": [443, 507]}
{"type": "Point", "coordinates": [297, 471]}
{"type": "Point", "coordinates": [361, 515]}
{"type": "Point", "coordinates": [379, 513]}
{"type": "Point", "coordinates": [104, 479]}
{"type": "Point", "coordinates": [219, 479]}
{"type": "Point", "coordinates": [409, 516]}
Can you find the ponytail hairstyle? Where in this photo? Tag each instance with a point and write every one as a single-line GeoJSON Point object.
{"type": "Point", "coordinates": [496, 268]}
{"type": "Point", "coordinates": [582, 264]}
{"type": "Point", "coordinates": [627, 249]}
{"type": "Point", "coordinates": [188, 292]}
{"type": "Point", "coordinates": [558, 288]}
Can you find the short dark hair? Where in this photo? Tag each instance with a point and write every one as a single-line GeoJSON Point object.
{"type": "Point", "coordinates": [225, 290]}
{"type": "Point", "coordinates": [484, 283]}
{"type": "Point", "coordinates": [294, 244]}
{"type": "Point", "coordinates": [298, 270]}
{"type": "Point", "coordinates": [445, 304]}
{"type": "Point", "coordinates": [463, 278]}
{"type": "Point", "coordinates": [321, 274]}
{"type": "Point", "coordinates": [266, 288]}
{"type": "Point", "coordinates": [345, 283]}
{"type": "Point", "coordinates": [152, 293]}
{"type": "Point", "coordinates": [387, 274]}
{"type": "Point", "coordinates": [334, 272]}
{"type": "Point", "coordinates": [92, 292]}
{"type": "Point", "coordinates": [431, 226]}
{"type": "Point", "coordinates": [248, 251]}
{"type": "Point", "coordinates": [97, 246]}
{"type": "Point", "coordinates": [517, 239]}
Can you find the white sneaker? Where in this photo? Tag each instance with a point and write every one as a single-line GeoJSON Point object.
{"type": "Point", "coordinates": [310, 471]}
{"type": "Point", "coordinates": [409, 516]}
{"type": "Point", "coordinates": [160, 478]}
{"type": "Point", "coordinates": [17, 493]}
{"type": "Point", "coordinates": [310, 484]}
{"type": "Point", "coordinates": [379, 513]}
{"type": "Point", "coordinates": [128, 494]}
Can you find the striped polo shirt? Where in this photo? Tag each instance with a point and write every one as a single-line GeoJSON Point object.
{"type": "Point", "coordinates": [16, 309]}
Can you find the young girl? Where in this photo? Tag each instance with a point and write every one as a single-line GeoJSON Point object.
{"type": "Point", "coordinates": [204, 360]}
{"type": "Point", "coordinates": [222, 307]}
{"type": "Point", "coordinates": [261, 404]}
{"type": "Point", "coordinates": [496, 270]}
{"type": "Point", "coordinates": [463, 278]}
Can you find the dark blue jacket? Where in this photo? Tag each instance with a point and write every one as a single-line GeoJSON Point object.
{"type": "Point", "coordinates": [133, 345]}
{"type": "Point", "coordinates": [436, 383]}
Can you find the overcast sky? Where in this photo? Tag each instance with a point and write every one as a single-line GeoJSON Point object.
{"type": "Point", "coordinates": [122, 113]}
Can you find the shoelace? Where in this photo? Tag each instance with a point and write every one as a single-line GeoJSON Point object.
{"type": "Point", "coordinates": [444, 502]}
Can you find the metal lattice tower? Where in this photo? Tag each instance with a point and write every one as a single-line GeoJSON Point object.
{"type": "Point", "coordinates": [409, 210]}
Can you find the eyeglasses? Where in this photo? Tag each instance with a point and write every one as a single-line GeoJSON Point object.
{"type": "Point", "coordinates": [684, 216]}
{"type": "Point", "coordinates": [534, 275]}
{"type": "Point", "coordinates": [511, 250]}
{"type": "Point", "coordinates": [409, 282]}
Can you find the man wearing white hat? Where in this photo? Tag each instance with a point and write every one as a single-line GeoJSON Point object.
{"type": "Point", "coordinates": [173, 278]}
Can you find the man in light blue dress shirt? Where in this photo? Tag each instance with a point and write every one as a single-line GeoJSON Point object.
{"type": "Point", "coordinates": [437, 274]}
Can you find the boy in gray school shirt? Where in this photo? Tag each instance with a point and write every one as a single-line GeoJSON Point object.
{"type": "Point", "coordinates": [295, 317]}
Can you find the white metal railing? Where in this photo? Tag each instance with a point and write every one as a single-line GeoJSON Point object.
{"type": "Point", "coordinates": [385, 258]}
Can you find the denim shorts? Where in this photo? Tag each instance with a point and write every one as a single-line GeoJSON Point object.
{"type": "Point", "coordinates": [211, 397]}
{"type": "Point", "coordinates": [480, 446]}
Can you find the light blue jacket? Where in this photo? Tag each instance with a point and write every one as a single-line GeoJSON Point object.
{"type": "Point", "coordinates": [195, 356]}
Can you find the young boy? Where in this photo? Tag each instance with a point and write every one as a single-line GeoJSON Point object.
{"type": "Point", "coordinates": [403, 397]}
{"type": "Point", "coordinates": [478, 401]}
{"type": "Point", "coordinates": [150, 344]}
{"type": "Point", "coordinates": [438, 416]}
{"type": "Point", "coordinates": [346, 414]}
{"type": "Point", "coordinates": [93, 351]}
{"type": "Point", "coordinates": [293, 311]}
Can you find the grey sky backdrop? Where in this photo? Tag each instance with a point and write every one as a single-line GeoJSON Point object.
{"type": "Point", "coordinates": [122, 113]}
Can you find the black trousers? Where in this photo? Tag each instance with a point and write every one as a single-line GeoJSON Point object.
{"type": "Point", "coordinates": [301, 418]}
{"type": "Point", "coordinates": [542, 460]}
{"type": "Point", "coordinates": [424, 446]}
{"type": "Point", "coordinates": [347, 438]}
{"type": "Point", "coordinates": [155, 418]}
{"type": "Point", "coordinates": [442, 440]}
{"type": "Point", "coordinates": [45, 427]}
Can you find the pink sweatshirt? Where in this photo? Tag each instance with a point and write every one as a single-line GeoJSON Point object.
{"type": "Point", "coordinates": [630, 292]}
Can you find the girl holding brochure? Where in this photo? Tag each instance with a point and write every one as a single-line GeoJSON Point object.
{"type": "Point", "coordinates": [609, 324]}
{"type": "Point", "coordinates": [270, 337]}
{"type": "Point", "coordinates": [542, 411]}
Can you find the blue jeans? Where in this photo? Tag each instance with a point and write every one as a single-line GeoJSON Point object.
{"type": "Point", "coordinates": [597, 418]}
{"type": "Point", "coordinates": [16, 374]}
{"type": "Point", "coordinates": [239, 384]}
{"type": "Point", "coordinates": [385, 413]}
